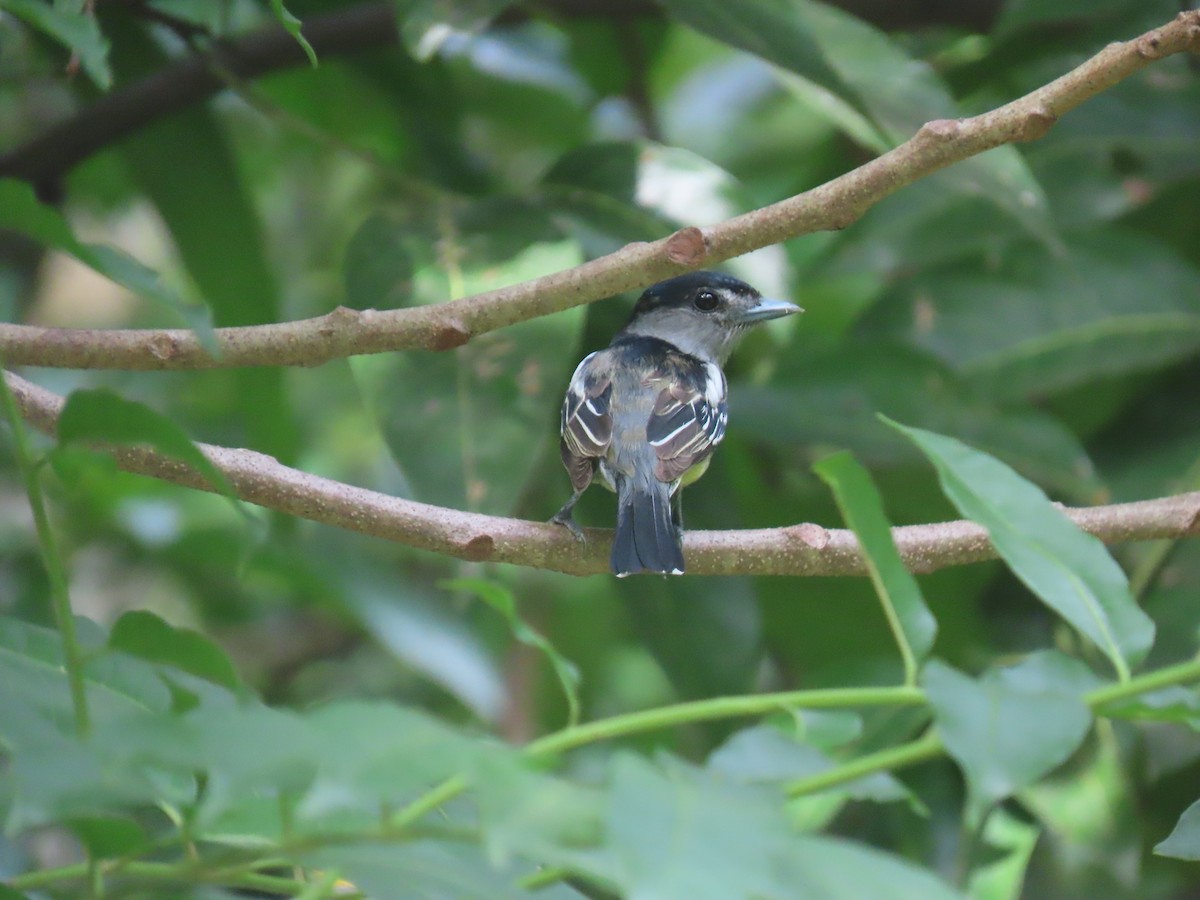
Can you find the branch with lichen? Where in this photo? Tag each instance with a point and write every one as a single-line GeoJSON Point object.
{"type": "Point", "coordinates": [833, 205]}
{"type": "Point", "coordinates": [804, 549]}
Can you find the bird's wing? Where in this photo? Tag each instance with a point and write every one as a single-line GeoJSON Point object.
{"type": "Point", "coordinates": [587, 424]}
{"type": "Point", "coordinates": [687, 423]}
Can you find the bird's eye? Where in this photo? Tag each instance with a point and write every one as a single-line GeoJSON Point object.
{"type": "Point", "coordinates": [706, 301]}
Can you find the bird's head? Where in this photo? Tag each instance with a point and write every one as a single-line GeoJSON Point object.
{"type": "Point", "coordinates": [703, 313]}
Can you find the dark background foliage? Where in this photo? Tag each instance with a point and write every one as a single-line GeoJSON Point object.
{"type": "Point", "coordinates": [1041, 304]}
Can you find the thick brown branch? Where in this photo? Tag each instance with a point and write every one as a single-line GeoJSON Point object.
{"type": "Point", "coordinates": [833, 205]}
{"type": "Point", "coordinates": [796, 550]}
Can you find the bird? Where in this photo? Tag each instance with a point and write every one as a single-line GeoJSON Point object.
{"type": "Point", "coordinates": [646, 412]}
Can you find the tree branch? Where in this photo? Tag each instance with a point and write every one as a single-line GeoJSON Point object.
{"type": "Point", "coordinates": [796, 550]}
{"type": "Point", "coordinates": [833, 205]}
{"type": "Point", "coordinates": [44, 160]}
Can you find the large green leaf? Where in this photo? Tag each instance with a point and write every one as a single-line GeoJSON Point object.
{"type": "Point", "coordinates": [1114, 303]}
{"type": "Point", "coordinates": [862, 508]}
{"type": "Point", "coordinates": [684, 834]}
{"type": "Point", "coordinates": [404, 752]}
{"type": "Point", "coordinates": [21, 211]}
{"type": "Point", "coordinates": [781, 32]}
{"type": "Point", "coordinates": [830, 396]}
{"type": "Point", "coordinates": [32, 673]}
{"type": "Point", "coordinates": [871, 88]}
{"type": "Point", "coordinates": [769, 754]}
{"type": "Point", "coordinates": [145, 635]}
{"type": "Point", "coordinates": [1070, 570]}
{"type": "Point", "coordinates": [101, 416]}
{"type": "Point", "coordinates": [1012, 726]}
{"type": "Point", "coordinates": [468, 426]}
{"type": "Point", "coordinates": [212, 218]}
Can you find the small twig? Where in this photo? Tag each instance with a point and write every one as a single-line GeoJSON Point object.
{"type": "Point", "coordinates": [795, 550]}
{"type": "Point", "coordinates": [833, 205]}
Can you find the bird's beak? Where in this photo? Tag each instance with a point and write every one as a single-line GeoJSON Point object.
{"type": "Point", "coordinates": [766, 308]}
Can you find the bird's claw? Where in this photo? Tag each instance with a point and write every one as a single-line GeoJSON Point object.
{"type": "Point", "coordinates": [568, 522]}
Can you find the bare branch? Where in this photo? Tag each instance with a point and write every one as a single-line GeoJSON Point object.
{"type": "Point", "coordinates": [796, 550]}
{"type": "Point", "coordinates": [833, 205]}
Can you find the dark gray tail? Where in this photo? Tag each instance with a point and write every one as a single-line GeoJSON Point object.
{"type": "Point", "coordinates": [646, 538]}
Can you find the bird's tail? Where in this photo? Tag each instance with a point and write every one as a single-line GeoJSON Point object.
{"type": "Point", "coordinates": [646, 540]}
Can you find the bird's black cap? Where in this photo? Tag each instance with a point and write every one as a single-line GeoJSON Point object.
{"type": "Point", "coordinates": [680, 291]}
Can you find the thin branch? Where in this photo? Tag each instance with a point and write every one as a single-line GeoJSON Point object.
{"type": "Point", "coordinates": [795, 550]}
{"type": "Point", "coordinates": [44, 160]}
{"type": "Point", "coordinates": [833, 205]}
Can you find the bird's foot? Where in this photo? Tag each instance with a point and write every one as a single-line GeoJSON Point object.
{"type": "Point", "coordinates": [567, 520]}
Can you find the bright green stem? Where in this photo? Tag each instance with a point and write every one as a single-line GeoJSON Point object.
{"type": "Point", "coordinates": [1181, 673]}
{"type": "Point", "coordinates": [927, 747]}
{"type": "Point", "coordinates": [56, 572]}
{"type": "Point", "coordinates": [680, 714]}
{"type": "Point", "coordinates": [720, 708]}
{"type": "Point", "coordinates": [428, 802]}
{"type": "Point", "coordinates": [161, 872]}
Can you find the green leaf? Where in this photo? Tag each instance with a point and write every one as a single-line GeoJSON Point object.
{"type": "Point", "coordinates": [1071, 571]}
{"type": "Point", "coordinates": [685, 834]}
{"type": "Point", "coordinates": [33, 678]}
{"type": "Point", "coordinates": [292, 25]}
{"type": "Point", "coordinates": [501, 599]}
{"type": "Point", "coordinates": [467, 427]}
{"type": "Point", "coordinates": [379, 267]}
{"type": "Point", "coordinates": [75, 27]}
{"type": "Point", "coordinates": [1176, 704]}
{"type": "Point", "coordinates": [422, 633]}
{"type": "Point", "coordinates": [106, 837]}
{"type": "Point", "coordinates": [862, 508]}
{"type": "Point", "coordinates": [852, 69]}
{"type": "Point", "coordinates": [1184, 840]}
{"type": "Point", "coordinates": [145, 635]}
{"type": "Point", "coordinates": [100, 416]}
{"type": "Point", "coordinates": [841, 388]}
{"type": "Point", "coordinates": [214, 222]}
{"type": "Point", "coordinates": [407, 751]}
{"type": "Point", "coordinates": [834, 869]}
{"type": "Point", "coordinates": [1114, 302]}
{"type": "Point", "coordinates": [1010, 727]}
{"type": "Point", "coordinates": [537, 816]}
{"type": "Point", "coordinates": [21, 211]}
{"type": "Point", "coordinates": [426, 25]}
{"type": "Point", "coordinates": [782, 33]}
{"type": "Point", "coordinates": [767, 754]}
{"type": "Point", "coordinates": [430, 868]}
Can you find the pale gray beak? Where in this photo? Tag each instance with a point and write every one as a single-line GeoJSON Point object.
{"type": "Point", "coordinates": [766, 308]}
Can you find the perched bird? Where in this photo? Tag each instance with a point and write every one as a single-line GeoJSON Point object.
{"type": "Point", "coordinates": [648, 411]}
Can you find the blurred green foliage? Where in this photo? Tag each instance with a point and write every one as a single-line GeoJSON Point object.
{"type": "Point", "coordinates": [1040, 303]}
